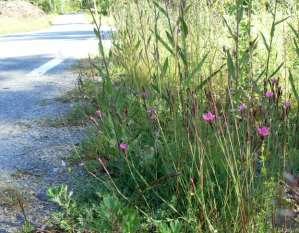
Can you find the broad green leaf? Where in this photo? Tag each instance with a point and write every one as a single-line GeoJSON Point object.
{"type": "Point", "coordinates": [184, 27]}
{"type": "Point", "coordinates": [164, 68]}
{"type": "Point", "coordinates": [240, 12]}
{"type": "Point", "coordinates": [230, 66]}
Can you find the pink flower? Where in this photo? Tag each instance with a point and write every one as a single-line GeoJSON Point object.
{"type": "Point", "coordinates": [269, 94]}
{"type": "Point", "coordinates": [263, 132]}
{"type": "Point", "coordinates": [99, 114]}
{"type": "Point", "coordinates": [123, 147]}
{"type": "Point", "coordinates": [287, 105]}
{"type": "Point", "coordinates": [242, 107]}
{"type": "Point", "coordinates": [209, 117]}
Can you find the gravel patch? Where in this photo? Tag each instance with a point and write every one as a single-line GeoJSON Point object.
{"type": "Point", "coordinates": [19, 8]}
{"type": "Point", "coordinates": [33, 156]}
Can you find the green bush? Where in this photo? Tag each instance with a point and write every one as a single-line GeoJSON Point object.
{"type": "Point", "coordinates": [58, 6]}
{"type": "Point", "coordinates": [103, 6]}
{"type": "Point", "coordinates": [105, 216]}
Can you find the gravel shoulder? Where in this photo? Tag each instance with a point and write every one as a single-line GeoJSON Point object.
{"type": "Point", "coordinates": [33, 155]}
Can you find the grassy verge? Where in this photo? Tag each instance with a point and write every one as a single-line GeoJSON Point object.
{"type": "Point", "coordinates": [83, 108]}
{"type": "Point", "coordinates": [194, 123]}
{"type": "Point", "coordinates": [9, 25]}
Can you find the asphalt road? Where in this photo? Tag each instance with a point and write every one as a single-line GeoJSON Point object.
{"type": "Point", "coordinates": [34, 71]}
{"type": "Point", "coordinates": [69, 38]}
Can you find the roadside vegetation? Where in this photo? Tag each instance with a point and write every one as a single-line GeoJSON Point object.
{"type": "Point", "coordinates": [31, 15]}
{"type": "Point", "coordinates": [194, 126]}
{"type": "Point", "coordinates": [58, 6]}
{"type": "Point", "coordinates": [71, 6]}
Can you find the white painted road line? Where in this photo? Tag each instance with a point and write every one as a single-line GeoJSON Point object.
{"type": "Point", "coordinates": [46, 67]}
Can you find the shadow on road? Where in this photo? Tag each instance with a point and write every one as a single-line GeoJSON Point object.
{"type": "Point", "coordinates": [23, 64]}
{"type": "Point", "coordinates": [58, 35]}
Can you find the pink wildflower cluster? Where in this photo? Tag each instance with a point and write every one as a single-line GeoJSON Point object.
{"type": "Point", "coordinates": [123, 147]}
{"type": "Point", "coordinates": [269, 94]}
{"type": "Point", "coordinates": [287, 105]}
{"type": "Point", "coordinates": [242, 107]}
{"type": "Point", "coordinates": [263, 132]}
{"type": "Point", "coordinates": [209, 117]}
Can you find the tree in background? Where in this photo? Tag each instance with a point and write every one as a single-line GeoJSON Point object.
{"type": "Point", "coordinates": [102, 6]}
{"type": "Point", "coordinates": [65, 6]}
{"type": "Point", "coordinates": [59, 6]}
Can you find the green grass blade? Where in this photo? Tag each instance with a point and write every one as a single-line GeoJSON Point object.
{"type": "Point", "coordinates": [161, 9]}
{"type": "Point", "coordinates": [164, 68]}
{"type": "Point", "coordinates": [164, 43]}
{"type": "Point", "coordinates": [229, 29]}
{"type": "Point", "coordinates": [231, 66]}
{"type": "Point", "coordinates": [295, 92]}
{"type": "Point", "coordinates": [265, 42]}
{"type": "Point", "coordinates": [277, 69]}
{"type": "Point", "coordinates": [198, 67]}
{"type": "Point", "coordinates": [294, 31]}
{"type": "Point", "coordinates": [204, 82]}
{"type": "Point", "coordinates": [282, 20]}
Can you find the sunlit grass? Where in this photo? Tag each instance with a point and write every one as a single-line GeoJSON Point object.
{"type": "Point", "coordinates": [195, 119]}
{"type": "Point", "coordinates": [9, 25]}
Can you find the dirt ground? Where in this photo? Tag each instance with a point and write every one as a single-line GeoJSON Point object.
{"type": "Point", "coordinates": [19, 8]}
